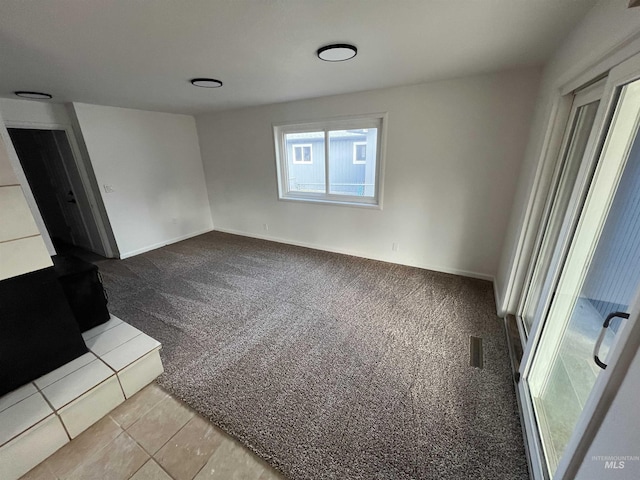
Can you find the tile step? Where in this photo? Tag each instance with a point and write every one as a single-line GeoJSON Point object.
{"type": "Point", "coordinates": [45, 414]}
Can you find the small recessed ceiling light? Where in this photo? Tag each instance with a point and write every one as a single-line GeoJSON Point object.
{"type": "Point", "coordinates": [33, 95]}
{"type": "Point", "coordinates": [337, 53]}
{"type": "Point", "coordinates": [206, 82]}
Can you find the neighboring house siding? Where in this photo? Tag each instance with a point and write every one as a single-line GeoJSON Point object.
{"type": "Point", "coordinates": [311, 176]}
{"type": "Point", "coordinates": [346, 177]}
{"type": "Point", "coordinates": [343, 173]}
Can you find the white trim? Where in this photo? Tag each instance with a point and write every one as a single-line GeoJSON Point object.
{"type": "Point", "coordinates": [302, 146]}
{"type": "Point", "coordinates": [341, 122]}
{"type": "Point", "coordinates": [532, 449]}
{"type": "Point", "coordinates": [24, 184]}
{"type": "Point", "coordinates": [550, 150]}
{"type": "Point", "coordinates": [582, 183]}
{"type": "Point", "coordinates": [374, 120]}
{"type": "Point", "coordinates": [353, 253]}
{"type": "Point", "coordinates": [92, 245]}
{"type": "Point", "coordinates": [591, 93]}
{"type": "Point", "coordinates": [106, 248]}
{"type": "Point", "coordinates": [590, 223]}
{"type": "Point", "coordinates": [164, 243]}
{"type": "Point", "coordinates": [619, 53]}
{"type": "Point", "coordinates": [592, 153]}
{"type": "Point", "coordinates": [554, 179]}
{"type": "Point", "coordinates": [355, 151]}
{"type": "Point", "coordinates": [332, 200]}
{"type": "Point", "coordinates": [594, 411]}
{"type": "Point", "coordinates": [542, 250]}
{"type": "Point", "coordinates": [535, 457]}
{"type": "Point", "coordinates": [599, 64]}
{"type": "Point", "coordinates": [495, 296]}
{"type": "Point", "coordinates": [620, 354]}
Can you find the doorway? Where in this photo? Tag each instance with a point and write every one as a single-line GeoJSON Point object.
{"type": "Point", "coordinates": [599, 278]}
{"type": "Point", "coordinates": [48, 163]}
{"type": "Point", "coordinates": [586, 278]}
{"type": "Point", "coordinates": [580, 128]}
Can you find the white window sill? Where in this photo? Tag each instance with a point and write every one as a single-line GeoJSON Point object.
{"type": "Point", "coordinates": [331, 201]}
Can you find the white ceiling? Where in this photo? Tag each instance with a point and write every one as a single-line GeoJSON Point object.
{"type": "Point", "coordinates": [141, 53]}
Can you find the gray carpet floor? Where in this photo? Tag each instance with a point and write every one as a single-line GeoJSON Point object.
{"type": "Point", "coordinates": [329, 366]}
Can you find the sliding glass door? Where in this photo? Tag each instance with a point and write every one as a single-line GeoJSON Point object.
{"type": "Point", "coordinates": [586, 272]}
{"type": "Point", "coordinates": [579, 130]}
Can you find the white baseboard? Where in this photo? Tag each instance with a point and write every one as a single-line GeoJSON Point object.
{"type": "Point", "coordinates": [163, 243]}
{"type": "Point", "coordinates": [500, 311]}
{"type": "Point", "coordinates": [453, 271]}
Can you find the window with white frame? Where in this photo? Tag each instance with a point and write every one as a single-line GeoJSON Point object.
{"type": "Point", "coordinates": [303, 154]}
{"type": "Point", "coordinates": [359, 153]}
{"type": "Point", "coordinates": [331, 161]}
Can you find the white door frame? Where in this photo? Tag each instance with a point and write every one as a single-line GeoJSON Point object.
{"type": "Point", "coordinates": [596, 66]}
{"type": "Point", "coordinates": [103, 243]}
{"type": "Point", "coordinates": [626, 343]}
{"type": "Point", "coordinates": [628, 336]}
{"type": "Point", "coordinates": [569, 221]}
{"type": "Point", "coordinates": [540, 250]}
{"type": "Point", "coordinates": [63, 182]}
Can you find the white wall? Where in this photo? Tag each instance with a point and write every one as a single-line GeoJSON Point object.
{"type": "Point", "coordinates": [33, 112]}
{"type": "Point", "coordinates": [152, 162]}
{"type": "Point", "coordinates": [607, 28]}
{"type": "Point", "coordinates": [454, 150]}
{"type": "Point", "coordinates": [47, 115]}
{"type": "Point", "coordinates": [22, 248]}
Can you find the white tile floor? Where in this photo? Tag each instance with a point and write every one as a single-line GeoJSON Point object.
{"type": "Point", "coordinates": [153, 436]}
{"type": "Point", "coordinates": [64, 403]}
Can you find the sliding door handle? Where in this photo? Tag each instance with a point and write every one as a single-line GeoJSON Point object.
{"type": "Point", "coordinates": [605, 325]}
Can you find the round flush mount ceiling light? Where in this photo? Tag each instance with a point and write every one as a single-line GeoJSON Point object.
{"type": "Point", "coordinates": [206, 82]}
{"type": "Point", "coordinates": [338, 52]}
{"type": "Point", "coordinates": [32, 95]}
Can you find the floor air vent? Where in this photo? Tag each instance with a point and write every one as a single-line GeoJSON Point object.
{"type": "Point", "coordinates": [475, 351]}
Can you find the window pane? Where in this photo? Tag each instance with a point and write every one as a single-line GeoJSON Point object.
{"type": "Point", "coordinates": [352, 162]}
{"type": "Point", "coordinates": [599, 276]}
{"type": "Point", "coordinates": [571, 162]}
{"type": "Point", "coordinates": [332, 161]}
{"type": "Point", "coordinates": [305, 162]}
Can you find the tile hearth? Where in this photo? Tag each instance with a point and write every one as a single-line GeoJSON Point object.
{"type": "Point", "coordinates": [39, 418]}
